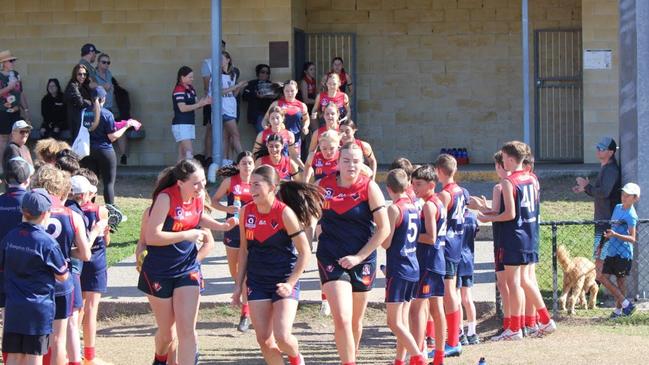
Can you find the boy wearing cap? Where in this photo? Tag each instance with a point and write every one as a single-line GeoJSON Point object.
{"type": "Point", "coordinates": [31, 260]}
{"type": "Point", "coordinates": [618, 251]}
{"type": "Point", "coordinates": [12, 96]}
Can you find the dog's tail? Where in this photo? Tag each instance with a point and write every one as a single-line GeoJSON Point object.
{"type": "Point", "coordinates": [563, 256]}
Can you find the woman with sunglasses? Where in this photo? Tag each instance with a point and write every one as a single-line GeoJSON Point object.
{"type": "Point", "coordinates": [77, 97]}
{"type": "Point", "coordinates": [12, 97]}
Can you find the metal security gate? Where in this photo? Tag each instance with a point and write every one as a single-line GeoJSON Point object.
{"type": "Point", "coordinates": [559, 95]}
{"type": "Point", "coordinates": [321, 48]}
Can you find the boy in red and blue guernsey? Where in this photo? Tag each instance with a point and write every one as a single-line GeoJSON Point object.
{"type": "Point", "coordinates": [402, 269]}
{"type": "Point", "coordinates": [455, 199]}
{"type": "Point", "coordinates": [465, 277]}
{"type": "Point", "coordinates": [31, 261]}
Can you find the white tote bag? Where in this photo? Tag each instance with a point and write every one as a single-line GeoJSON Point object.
{"type": "Point", "coordinates": [81, 145]}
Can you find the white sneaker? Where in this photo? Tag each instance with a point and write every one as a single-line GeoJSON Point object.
{"type": "Point", "coordinates": [545, 329]}
{"type": "Point", "coordinates": [211, 172]}
{"type": "Point", "coordinates": [325, 310]}
{"type": "Point", "coordinates": [509, 335]}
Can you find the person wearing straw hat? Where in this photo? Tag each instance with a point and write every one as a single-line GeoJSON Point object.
{"type": "Point", "coordinates": [12, 98]}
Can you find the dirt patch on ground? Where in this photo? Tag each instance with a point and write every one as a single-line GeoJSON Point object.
{"type": "Point", "coordinates": [128, 339]}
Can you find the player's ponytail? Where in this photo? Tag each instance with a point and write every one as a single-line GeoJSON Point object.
{"type": "Point", "coordinates": [180, 172]}
{"type": "Point", "coordinates": [305, 199]}
{"type": "Point", "coordinates": [233, 170]}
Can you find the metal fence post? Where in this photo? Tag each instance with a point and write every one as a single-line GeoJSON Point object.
{"type": "Point", "coordinates": [555, 274]}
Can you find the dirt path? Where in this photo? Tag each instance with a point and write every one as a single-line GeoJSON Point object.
{"type": "Point", "coordinates": [129, 340]}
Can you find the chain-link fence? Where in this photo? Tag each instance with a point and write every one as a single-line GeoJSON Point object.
{"type": "Point", "coordinates": [566, 260]}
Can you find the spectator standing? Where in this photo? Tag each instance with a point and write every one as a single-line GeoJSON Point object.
{"type": "Point", "coordinates": [338, 68]}
{"type": "Point", "coordinates": [77, 97]}
{"type": "Point", "coordinates": [12, 98]}
{"type": "Point", "coordinates": [308, 85]}
{"type": "Point", "coordinates": [88, 56]}
{"type": "Point", "coordinates": [122, 105]}
{"type": "Point", "coordinates": [259, 94]}
{"type": "Point", "coordinates": [54, 112]}
{"type": "Point", "coordinates": [606, 191]}
{"type": "Point", "coordinates": [185, 103]}
{"type": "Point", "coordinates": [17, 143]}
{"type": "Point", "coordinates": [230, 90]}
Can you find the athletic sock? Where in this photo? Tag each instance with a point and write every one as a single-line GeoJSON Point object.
{"type": "Point", "coordinates": [544, 315]}
{"type": "Point", "coordinates": [74, 363]}
{"type": "Point", "coordinates": [245, 310]}
{"type": "Point", "coordinates": [89, 353]}
{"type": "Point", "coordinates": [47, 357]}
{"type": "Point", "coordinates": [515, 323]}
{"type": "Point", "coordinates": [430, 329]}
{"type": "Point", "coordinates": [295, 360]}
{"type": "Point", "coordinates": [160, 359]}
{"type": "Point", "coordinates": [506, 322]}
{"type": "Point", "coordinates": [470, 328]}
{"type": "Point", "coordinates": [438, 359]}
{"type": "Point", "coordinates": [417, 360]}
{"type": "Point", "coordinates": [399, 362]}
{"type": "Point", "coordinates": [453, 325]}
{"type": "Point", "coordinates": [4, 357]}
{"type": "Point", "coordinates": [625, 303]}
{"type": "Point", "coordinates": [530, 321]}
{"type": "Point", "coordinates": [323, 296]}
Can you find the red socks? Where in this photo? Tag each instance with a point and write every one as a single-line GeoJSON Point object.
{"type": "Point", "coordinates": [453, 327]}
{"type": "Point", "coordinates": [430, 329]}
{"type": "Point", "coordinates": [323, 296]}
{"type": "Point", "coordinates": [515, 323]}
{"type": "Point", "coordinates": [544, 315]}
{"type": "Point", "coordinates": [506, 322]}
{"type": "Point", "coordinates": [74, 363]}
{"type": "Point", "coordinates": [530, 321]}
{"type": "Point", "coordinates": [245, 310]}
{"type": "Point", "coordinates": [439, 357]}
{"type": "Point", "coordinates": [295, 360]}
{"type": "Point", "coordinates": [417, 360]}
{"type": "Point", "coordinates": [89, 353]}
{"type": "Point", "coordinates": [399, 362]}
{"type": "Point", "coordinates": [47, 357]}
{"type": "Point", "coordinates": [161, 358]}
{"type": "Point", "coordinates": [4, 357]}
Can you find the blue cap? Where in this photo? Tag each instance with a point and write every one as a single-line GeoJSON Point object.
{"type": "Point", "coordinates": [37, 202]}
{"type": "Point", "coordinates": [99, 92]}
{"type": "Point", "coordinates": [606, 144]}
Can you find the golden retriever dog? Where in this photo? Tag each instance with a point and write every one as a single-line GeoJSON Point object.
{"type": "Point", "coordinates": [578, 279]}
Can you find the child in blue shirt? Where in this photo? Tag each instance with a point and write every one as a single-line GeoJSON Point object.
{"type": "Point", "coordinates": [31, 260]}
{"type": "Point", "coordinates": [618, 252]}
{"type": "Point", "coordinates": [465, 277]}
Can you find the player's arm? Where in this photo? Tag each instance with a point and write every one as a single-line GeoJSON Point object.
{"type": "Point", "coordinates": [308, 170]}
{"type": "Point", "coordinates": [314, 112]}
{"type": "Point", "coordinates": [445, 197]}
{"type": "Point", "coordinates": [84, 240]}
{"type": "Point", "coordinates": [220, 193]}
{"type": "Point", "coordinates": [430, 212]}
{"type": "Point", "coordinates": [348, 108]}
{"type": "Point", "coordinates": [295, 170]}
{"type": "Point", "coordinates": [299, 238]}
{"type": "Point", "coordinates": [306, 121]}
{"type": "Point", "coordinates": [314, 141]}
{"type": "Point", "coordinates": [242, 262]}
{"type": "Point", "coordinates": [207, 221]}
{"type": "Point", "coordinates": [380, 216]}
{"type": "Point", "coordinates": [103, 215]}
{"type": "Point", "coordinates": [508, 199]}
{"type": "Point", "coordinates": [371, 159]}
{"type": "Point", "coordinates": [294, 151]}
{"type": "Point", "coordinates": [393, 216]}
{"type": "Point", "coordinates": [207, 246]}
{"type": "Point", "coordinates": [155, 236]}
{"type": "Point", "coordinates": [631, 237]}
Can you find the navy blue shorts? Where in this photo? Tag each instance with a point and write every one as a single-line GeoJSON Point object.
{"type": "Point", "coordinates": [264, 292]}
{"type": "Point", "coordinates": [77, 301]}
{"type": "Point", "coordinates": [451, 269]}
{"type": "Point", "coordinates": [16, 343]}
{"type": "Point", "coordinates": [464, 281]}
{"type": "Point", "coordinates": [499, 253]}
{"type": "Point", "coordinates": [399, 290]}
{"type": "Point", "coordinates": [164, 287]}
{"type": "Point", "coordinates": [431, 284]}
{"type": "Point", "coordinates": [64, 305]}
{"type": "Point", "coordinates": [519, 258]}
{"type": "Point", "coordinates": [231, 238]}
{"type": "Point", "coordinates": [360, 276]}
{"type": "Point", "coordinates": [94, 281]}
{"type": "Point", "coordinates": [618, 266]}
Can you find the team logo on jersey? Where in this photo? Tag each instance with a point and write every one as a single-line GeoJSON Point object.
{"type": "Point", "coordinates": [329, 268]}
{"type": "Point", "coordinates": [194, 275]}
{"type": "Point", "coordinates": [367, 280]}
{"type": "Point", "coordinates": [237, 189]}
{"type": "Point", "coordinates": [329, 193]}
{"type": "Point", "coordinates": [318, 163]}
{"type": "Point", "coordinates": [156, 286]}
{"type": "Point", "coordinates": [262, 222]}
{"type": "Point", "coordinates": [273, 223]}
{"type": "Point", "coordinates": [249, 291]}
{"type": "Point", "coordinates": [178, 212]}
{"type": "Point", "coordinates": [251, 221]}
{"type": "Point", "coordinates": [366, 269]}
{"type": "Point", "coordinates": [425, 289]}
{"type": "Point", "coordinates": [250, 234]}
{"type": "Point", "coordinates": [356, 196]}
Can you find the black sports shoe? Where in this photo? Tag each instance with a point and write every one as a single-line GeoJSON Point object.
{"type": "Point", "coordinates": [123, 160]}
{"type": "Point", "coordinates": [115, 217]}
{"type": "Point", "coordinates": [463, 340]}
{"type": "Point", "coordinates": [244, 324]}
{"type": "Point", "coordinates": [473, 339]}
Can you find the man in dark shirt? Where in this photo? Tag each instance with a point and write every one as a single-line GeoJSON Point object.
{"type": "Point", "coordinates": [605, 189]}
{"type": "Point", "coordinates": [88, 56]}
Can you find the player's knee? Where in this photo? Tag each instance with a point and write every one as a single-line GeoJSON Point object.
{"type": "Point", "coordinates": [283, 338]}
{"type": "Point", "coordinates": [265, 342]}
{"type": "Point", "coordinates": [166, 337]}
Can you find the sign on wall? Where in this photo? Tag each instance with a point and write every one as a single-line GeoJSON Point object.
{"type": "Point", "coordinates": [597, 59]}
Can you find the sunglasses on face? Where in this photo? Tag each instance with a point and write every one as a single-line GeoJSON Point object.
{"type": "Point", "coordinates": [12, 61]}
{"type": "Point", "coordinates": [105, 62]}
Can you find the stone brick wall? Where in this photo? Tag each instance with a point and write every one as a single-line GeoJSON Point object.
{"type": "Point", "coordinates": [438, 73]}
{"type": "Point", "coordinates": [148, 40]}
{"type": "Point", "coordinates": [601, 115]}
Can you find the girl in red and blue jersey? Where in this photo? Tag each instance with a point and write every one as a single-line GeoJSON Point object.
{"type": "Point", "coordinates": [354, 223]}
{"type": "Point", "coordinates": [68, 229]}
{"type": "Point", "coordinates": [296, 114]}
{"type": "Point", "coordinates": [325, 161]}
{"type": "Point", "coordinates": [455, 199]}
{"type": "Point", "coordinates": [170, 274]}
{"type": "Point", "coordinates": [235, 185]}
{"type": "Point", "coordinates": [348, 132]}
{"type": "Point", "coordinates": [276, 118]}
{"type": "Point", "coordinates": [272, 155]}
{"type": "Point", "coordinates": [519, 231]}
{"type": "Point", "coordinates": [332, 95]}
{"type": "Point", "coordinates": [184, 105]}
{"type": "Point", "coordinates": [273, 255]}
{"type": "Point", "coordinates": [338, 68]}
{"type": "Point", "coordinates": [432, 265]}
{"type": "Point", "coordinates": [402, 268]}
{"type": "Point", "coordinates": [331, 117]}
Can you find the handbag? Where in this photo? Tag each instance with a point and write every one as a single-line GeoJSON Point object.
{"type": "Point", "coordinates": [81, 145]}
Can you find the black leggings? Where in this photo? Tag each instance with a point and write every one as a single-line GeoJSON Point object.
{"type": "Point", "coordinates": [104, 164]}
